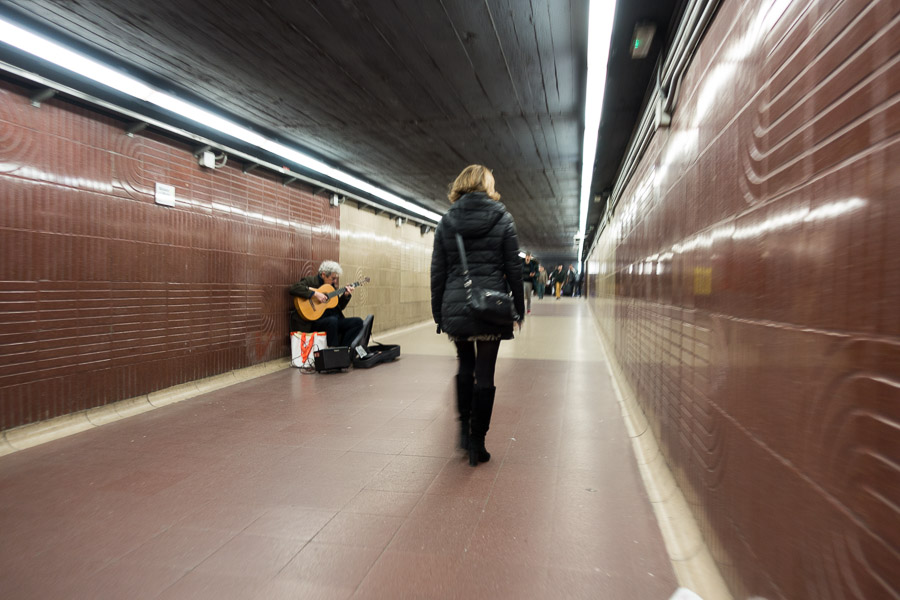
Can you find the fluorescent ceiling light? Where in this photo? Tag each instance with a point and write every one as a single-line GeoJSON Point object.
{"type": "Point", "coordinates": [48, 50]}
{"type": "Point", "coordinates": [600, 22]}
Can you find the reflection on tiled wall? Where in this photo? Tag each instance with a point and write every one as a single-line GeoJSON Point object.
{"type": "Point", "coordinates": [105, 295]}
{"type": "Point", "coordinates": [398, 261]}
{"type": "Point", "coordinates": [749, 285]}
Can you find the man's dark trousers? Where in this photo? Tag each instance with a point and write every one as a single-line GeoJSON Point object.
{"type": "Point", "coordinates": [340, 330]}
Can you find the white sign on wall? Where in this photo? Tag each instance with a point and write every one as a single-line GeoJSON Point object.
{"type": "Point", "coordinates": [165, 194]}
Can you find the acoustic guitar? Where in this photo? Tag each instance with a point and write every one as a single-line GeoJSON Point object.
{"type": "Point", "coordinates": [311, 309]}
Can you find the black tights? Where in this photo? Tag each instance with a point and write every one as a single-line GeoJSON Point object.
{"type": "Point", "coordinates": [478, 367]}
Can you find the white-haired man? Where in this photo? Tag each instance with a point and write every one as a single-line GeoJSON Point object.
{"type": "Point", "coordinates": [340, 329]}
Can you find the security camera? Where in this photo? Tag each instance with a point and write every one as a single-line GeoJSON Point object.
{"type": "Point", "coordinates": [207, 159]}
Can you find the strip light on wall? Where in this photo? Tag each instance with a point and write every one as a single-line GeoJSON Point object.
{"type": "Point", "coordinates": [600, 24]}
{"type": "Point", "coordinates": [46, 49]}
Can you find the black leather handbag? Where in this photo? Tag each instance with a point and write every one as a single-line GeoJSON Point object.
{"type": "Point", "coordinates": [486, 305]}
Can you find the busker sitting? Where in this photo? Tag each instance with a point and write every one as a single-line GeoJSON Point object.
{"type": "Point", "coordinates": [340, 330]}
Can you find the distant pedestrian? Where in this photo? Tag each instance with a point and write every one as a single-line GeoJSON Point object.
{"type": "Point", "coordinates": [569, 281]}
{"type": "Point", "coordinates": [579, 283]}
{"type": "Point", "coordinates": [541, 282]}
{"type": "Point", "coordinates": [529, 275]}
{"type": "Point", "coordinates": [558, 279]}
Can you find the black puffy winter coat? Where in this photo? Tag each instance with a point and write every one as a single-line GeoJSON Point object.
{"type": "Point", "coordinates": [492, 250]}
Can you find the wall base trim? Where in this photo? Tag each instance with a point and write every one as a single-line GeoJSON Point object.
{"type": "Point", "coordinates": [691, 560]}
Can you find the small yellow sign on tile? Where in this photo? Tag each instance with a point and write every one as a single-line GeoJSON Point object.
{"type": "Point", "coordinates": [702, 281]}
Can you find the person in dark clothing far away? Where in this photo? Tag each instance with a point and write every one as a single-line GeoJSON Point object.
{"type": "Point", "coordinates": [529, 277]}
{"type": "Point", "coordinates": [558, 279]}
{"type": "Point", "coordinates": [571, 277]}
{"type": "Point", "coordinates": [340, 330]}
{"type": "Point", "coordinates": [579, 283]}
{"type": "Point", "coordinates": [492, 252]}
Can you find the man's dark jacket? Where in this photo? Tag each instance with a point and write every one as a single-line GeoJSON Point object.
{"type": "Point", "coordinates": [305, 289]}
{"type": "Point", "coordinates": [529, 270]}
{"type": "Point", "coordinates": [492, 250]}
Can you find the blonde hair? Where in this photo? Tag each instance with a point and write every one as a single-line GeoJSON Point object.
{"type": "Point", "coordinates": [474, 178]}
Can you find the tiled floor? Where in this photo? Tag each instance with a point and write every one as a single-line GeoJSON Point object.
{"type": "Point", "coordinates": [349, 486]}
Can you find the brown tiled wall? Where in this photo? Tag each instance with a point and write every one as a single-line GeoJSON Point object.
{"type": "Point", "coordinates": [105, 295]}
{"type": "Point", "coordinates": [749, 286]}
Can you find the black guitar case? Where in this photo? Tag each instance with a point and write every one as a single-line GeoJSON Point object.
{"type": "Point", "coordinates": [364, 354]}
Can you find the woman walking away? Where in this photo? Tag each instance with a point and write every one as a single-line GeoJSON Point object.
{"type": "Point", "coordinates": [492, 252]}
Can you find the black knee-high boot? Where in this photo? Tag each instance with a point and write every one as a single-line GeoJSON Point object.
{"type": "Point", "coordinates": [482, 407]}
{"type": "Point", "coordinates": [464, 391]}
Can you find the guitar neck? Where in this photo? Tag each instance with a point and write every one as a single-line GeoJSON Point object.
{"type": "Point", "coordinates": [340, 290]}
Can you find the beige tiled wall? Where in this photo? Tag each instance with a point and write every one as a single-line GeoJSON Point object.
{"type": "Point", "coordinates": [398, 261]}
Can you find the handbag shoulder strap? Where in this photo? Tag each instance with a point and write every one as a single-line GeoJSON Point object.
{"type": "Point", "coordinates": [462, 254]}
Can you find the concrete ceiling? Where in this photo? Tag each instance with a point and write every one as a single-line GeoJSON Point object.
{"type": "Point", "coordinates": [403, 93]}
